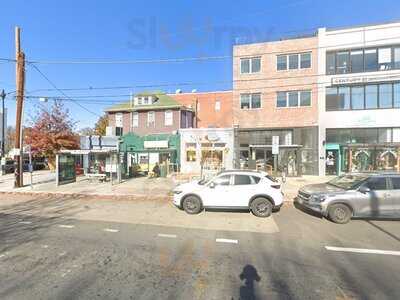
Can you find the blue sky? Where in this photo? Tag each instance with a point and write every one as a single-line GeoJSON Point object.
{"type": "Point", "coordinates": [130, 30]}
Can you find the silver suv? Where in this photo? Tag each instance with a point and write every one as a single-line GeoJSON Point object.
{"type": "Point", "coordinates": [373, 195]}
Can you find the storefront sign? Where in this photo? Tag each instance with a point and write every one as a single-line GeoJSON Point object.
{"type": "Point", "coordinates": [155, 144]}
{"type": "Point", "coordinates": [364, 79]}
{"type": "Point", "coordinates": [275, 144]}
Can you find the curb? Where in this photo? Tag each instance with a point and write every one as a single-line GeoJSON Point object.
{"type": "Point", "coordinates": [96, 196]}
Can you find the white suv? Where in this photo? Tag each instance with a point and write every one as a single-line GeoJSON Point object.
{"type": "Point", "coordinates": [236, 189]}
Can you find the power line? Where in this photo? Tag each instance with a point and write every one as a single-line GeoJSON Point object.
{"type": "Point", "coordinates": [313, 90]}
{"type": "Point", "coordinates": [202, 58]}
{"type": "Point", "coordinates": [54, 86]}
{"type": "Point", "coordinates": [137, 61]}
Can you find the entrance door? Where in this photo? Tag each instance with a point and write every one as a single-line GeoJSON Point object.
{"type": "Point", "coordinates": [331, 162]}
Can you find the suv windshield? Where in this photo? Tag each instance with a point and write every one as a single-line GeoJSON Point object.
{"type": "Point", "coordinates": [347, 181]}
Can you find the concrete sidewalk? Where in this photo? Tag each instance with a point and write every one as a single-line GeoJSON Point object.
{"type": "Point", "coordinates": [133, 188]}
{"type": "Point", "coordinates": [44, 182]}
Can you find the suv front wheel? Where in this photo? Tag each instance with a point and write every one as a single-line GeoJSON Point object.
{"type": "Point", "coordinates": [261, 207]}
{"type": "Point", "coordinates": [339, 213]}
{"type": "Point", "coordinates": [192, 205]}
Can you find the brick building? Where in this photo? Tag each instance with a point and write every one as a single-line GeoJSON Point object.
{"type": "Point", "coordinates": [149, 113]}
{"type": "Point", "coordinates": [275, 94]}
{"type": "Point", "coordinates": [213, 109]}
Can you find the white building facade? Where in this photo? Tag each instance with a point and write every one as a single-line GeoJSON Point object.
{"type": "Point", "coordinates": [359, 99]}
{"type": "Point", "coordinates": [206, 150]}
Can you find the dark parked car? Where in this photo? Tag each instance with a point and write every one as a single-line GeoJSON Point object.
{"type": "Point", "coordinates": [9, 166]}
{"type": "Point", "coordinates": [368, 195]}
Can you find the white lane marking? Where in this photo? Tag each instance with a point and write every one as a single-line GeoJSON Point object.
{"type": "Point", "coordinates": [172, 236]}
{"type": "Point", "coordinates": [2, 255]}
{"type": "Point", "coordinates": [25, 222]}
{"type": "Point", "coordinates": [45, 246]}
{"type": "Point", "coordinates": [226, 241]}
{"type": "Point", "coordinates": [110, 230]}
{"type": "Point", "coordinates": [364, 251]}
{"type": "Point", "coordinates": [66, 226]}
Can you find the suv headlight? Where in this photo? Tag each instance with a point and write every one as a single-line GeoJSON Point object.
{"type": "Point", "coordinates": [177, 192]}
{"type": "Point", "coordinates": [319, 198]}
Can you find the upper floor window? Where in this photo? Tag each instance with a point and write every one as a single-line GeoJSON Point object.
{"type": "Point", "coordinates": [371, 96]}
{"type": "Point", "coordinates": [119, 131]}
{"type": "Point", "coordinates": [363, 60]}
{"type": "Point", "coordinates": [217, 105]}
{"type": "Point", "coordinates": [293, 98]}
{"type": "Point", "coordinates": [169, 118]}
{"type": "Point", "coordinates": [250, 101]}
{"type": "Point", "coordinates": [250, 65]}
{"type": "Point", "coordinates": [151, 119]}
{"type": "Point", "coordinates": [118, 120]}
{"type": "Point", "coordinates": [135, 119]}
{"type": "Point", "coordinates": [293, 61]}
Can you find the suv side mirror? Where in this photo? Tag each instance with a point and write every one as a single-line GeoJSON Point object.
{"type": "Point", "coordinates": [364, 189]}
{"type": "Point", "coordinates": [212, 185]}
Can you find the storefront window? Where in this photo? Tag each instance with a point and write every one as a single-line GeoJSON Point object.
{"type": "Point", "coordinates": [384, 59]}
{"type": "Point", "coordinates": [386, 159]}
{"type": "Point", "coordinates": [190, 155]}
{"type": "Point", "coordinates": [362, 160]}
{"type": "Point", "coordinates": [396, 89]}
{"type": "Point", "coordinates": [357, 61]}
{"type": "Point", "coordinates": [370, 60]}
{"type": "Point", "coordinates": [211, 159]}
{"type": "Point", "coordinates": [191, 152]}
{"type": "Point", "coordinates": [385, 95]}
{"type": "Point", "coordinates": [384, 135]}
{"type": "Point", "coordinates": [293, 99]}
{"type": "Point", "coordinates": [344, 98]}
{"type": "Point", "coordinates": [357, 97]}
{"type": "Point", "coordinates": [330, 63]}
{"type": "Point", "coordinates": [281, 99]}
{"type": "Point", "coordinates": [371, 96]}
{"type": "Point", "coordinates": [331, 97]}
{"type": "Point", "coordinates": [342, 62]}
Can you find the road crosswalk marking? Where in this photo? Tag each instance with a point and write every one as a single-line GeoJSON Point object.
{"type": "Point", "coordinates": [173, 236]}
{"type": "Point", "coordinates": [226, 241]}
{"type": "Point", "coordinates": [110, 230]}
{"type": "Point", "coordinates": [363, 251]}
{"type": "Point", "coordinates": [66, 226]}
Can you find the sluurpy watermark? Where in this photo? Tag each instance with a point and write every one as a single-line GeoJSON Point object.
{"type": "Point", "coordinates": [151, 33]}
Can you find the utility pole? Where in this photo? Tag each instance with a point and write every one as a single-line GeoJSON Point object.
{"type": "Point", "coordinates": [3, 123]}
{"type": "Point", "coordinates": [20, 84]}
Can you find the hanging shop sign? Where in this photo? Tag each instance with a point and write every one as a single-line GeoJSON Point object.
{"type": "Point", "coordinates": [275, 144]}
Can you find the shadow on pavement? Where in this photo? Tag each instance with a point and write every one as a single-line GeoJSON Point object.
{"type": "Point", "coordinates": [22, 222]}
{"type": "Point", "coordinates": [249, 275]}
{"type": "Point", "coordinates": [397, 238]}
{"type": "Point", "coordinates": [307, 210]}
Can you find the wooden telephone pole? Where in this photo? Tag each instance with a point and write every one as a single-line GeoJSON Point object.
{"type": "Point", "coordinates": [20, 84]}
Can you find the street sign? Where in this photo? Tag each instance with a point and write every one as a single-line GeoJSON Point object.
{"type": "Point", "coordinates": [275, 144]}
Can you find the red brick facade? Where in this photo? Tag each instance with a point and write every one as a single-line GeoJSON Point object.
{"type": "Point", "coordinates": [269, 81]}
{"type": "Point", "coordinates": [210, 113]}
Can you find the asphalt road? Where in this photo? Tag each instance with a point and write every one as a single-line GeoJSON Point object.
{"type": "Point", "coordinates": [62, 258]}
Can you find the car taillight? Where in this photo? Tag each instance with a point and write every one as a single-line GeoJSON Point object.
{"type": "Point", "coordinates": [276, 186]}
